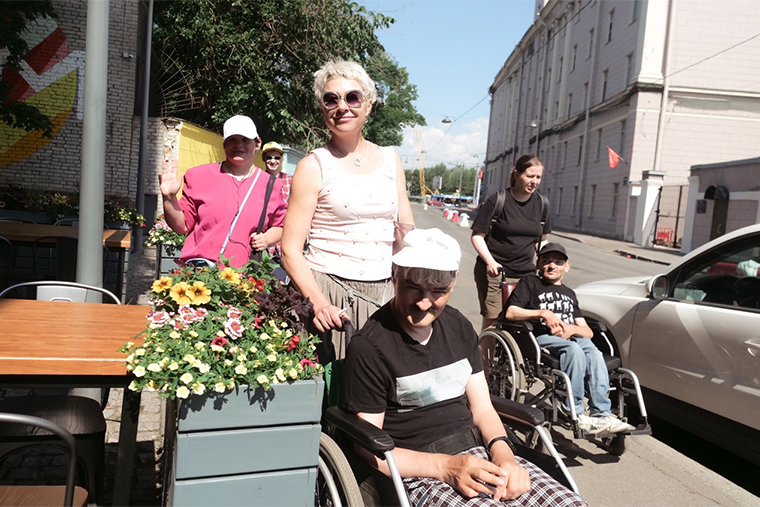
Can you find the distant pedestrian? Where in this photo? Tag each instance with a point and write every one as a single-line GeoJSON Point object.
{"type": "Point", "coordinates": [272, 155]}
{"type": "Point", "coordinates": [345, 199]}
{"type": "Point", "coordinates": [507, 239]}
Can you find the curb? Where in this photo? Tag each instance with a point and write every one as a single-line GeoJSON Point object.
{"type": "Point", "coordinates": [641, 258]}
{"type": "Point", "coordinates": [567, 236]}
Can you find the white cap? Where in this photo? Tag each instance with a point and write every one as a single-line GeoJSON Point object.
{"type": "Point", "coordinates": [240, 126]}
{"type": "Point", "coordinates": [429, 248]}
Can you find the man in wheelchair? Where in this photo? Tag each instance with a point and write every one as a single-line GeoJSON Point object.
{"type": "Point", "coordinates": [561, 329]}
{"type": "Point", "coordinates": [415, 370]}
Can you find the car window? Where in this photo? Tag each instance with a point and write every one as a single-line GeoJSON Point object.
{"type": "Point", "coordinates": [726, 275]}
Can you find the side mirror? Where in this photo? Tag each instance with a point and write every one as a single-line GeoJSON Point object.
{"type": "Point", "coordinates": [659, 287]}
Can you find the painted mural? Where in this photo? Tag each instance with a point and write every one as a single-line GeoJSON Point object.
{"type": "Point", "coordinates": [52, 79]}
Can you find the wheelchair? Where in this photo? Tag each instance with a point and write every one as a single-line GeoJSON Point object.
{"type": "Point", "coordinates": [519, 370]}
{"type": "Point", "coordinates": [336, 483]}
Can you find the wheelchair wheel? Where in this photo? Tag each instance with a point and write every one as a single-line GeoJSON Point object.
{"type": "Point", "coordinates": [336, 484]}
{"type": "Point", "coordinates": [614, 445]}
{"type": "Point", "coordinates": [504, 364]}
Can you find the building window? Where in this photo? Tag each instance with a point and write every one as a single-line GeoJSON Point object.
{"type": "Point", "coordinates": [629, 69]}
{"type": "Point", "coordinates": [549, 80]}
{"type": "Point", "coordinates": [573, 56]}
{"type": "Point", "coordinates": [622, 138]}
{"type": "Point", "coordinates": [569, 104]}
{"type": "Point", "coordinates": [575, 201]}
{"type": "Point", "coordinates": [564, 154]}
{"type": "Point", "coordinates": [556, 110]}
{"type": "Point", "coordinates": [615, 197]}
{"type": "Point", "coordinates": [590, 43]}
{"type": "Point", "coordinates": [559, 74]}
{"type": "Point", "coordinates": [604, 85]}
{"type": "Point", "coordinates": [559, 201]}
{"type": "Point", "coordinates": [598, 144]}
{"type": "Point", "coordinates": [636, 10]}
{"type": "Point", "coordinates": [580, 150]}
{"type": "Point", "coordinates": [592, 202]}
{"type": "Point", "coordinates": [609, 30]}
{"type": "Point", "coordinates": [585, 96]}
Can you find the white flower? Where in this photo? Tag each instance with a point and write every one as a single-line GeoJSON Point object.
{"type": "Point", "coordinates": [186, 378]}
{"type": "Point", "coordinates": [228, 362]}
{"type": "Point", "coordinates": [154, 367]}
{"type": "Point", "coordinates": [220, 387]}
{"type": "Point", "coordinates": [200, 346]}
{"type": "Point", "coordinates": [199, 388]}
{"type": "Point", "coordinates": [140, 352]}
{"type": "Point", "coordinates": [133, 386]}
{"type": "Point", "coordinates": [241, 369]}
{"type": "Point", "coordinates": [173, 366]}
{"type": "Point", "coordinates": [265, 336]}
{"type": "Point", "coordinates": [139, 371]}
{"type": "Point", "coordinates": [189, 358]}
{"type": "Point", "coordinates": [174, 334]}
{"type": "Point", "coordinates": [262, 379]}
{"type": "Point", "coordinates": [293, 373]}
{"type": "Point", "coordinates": [272, 357]}
{"type": "Point", "coordinates": [204, 368]}
{"type": "Point", "coordinates": [183, 392]}
{"type": "Point", "coordinates": [280, 374]}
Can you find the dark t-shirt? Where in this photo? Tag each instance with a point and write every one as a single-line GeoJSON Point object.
{"type": "Point", "coordinates": [514, 234]}
{"type": "Point", "coordinates": [532, 293]}
{"type": "Point", "coordinates": [421, 388]}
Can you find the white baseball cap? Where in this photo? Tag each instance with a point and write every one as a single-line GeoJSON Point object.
{"type": "Point", "coordinates": [240, 126]}
{"type": "Point", "coordinates": [429, 248]}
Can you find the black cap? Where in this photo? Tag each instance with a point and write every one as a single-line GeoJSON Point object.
{"type": "Point", "coordinates": [552, 247]}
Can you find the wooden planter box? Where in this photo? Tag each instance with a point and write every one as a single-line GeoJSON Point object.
{"type": "Point", "coordinates": [247, 447]}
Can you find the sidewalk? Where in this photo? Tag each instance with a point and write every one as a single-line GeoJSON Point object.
{"type": "Point", "coordinates": [656, 254]}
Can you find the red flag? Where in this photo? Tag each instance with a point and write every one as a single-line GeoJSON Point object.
{"type": "Point", "coordinates": [614, 157]}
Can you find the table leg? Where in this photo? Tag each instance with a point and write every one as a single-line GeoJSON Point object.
{"type": "Point", "coordinates": [130, 415]}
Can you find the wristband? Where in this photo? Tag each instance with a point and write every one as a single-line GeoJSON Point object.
{"type": "Point", "coordinates": [497, 439]}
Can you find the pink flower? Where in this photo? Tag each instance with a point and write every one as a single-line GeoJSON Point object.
{"type": "Point", "coordinates": [158, 318]}
{"type": "Point", "coordinates": [306, 362]}
{"type": "Point", "coordinates": [233, 328]}
{"type": "Point", "coordinates": [234, 313]}
{"type": "Point", "coordinates": [180, 324]}
{"type": "Point", "coordinates": [200, 314]}
{"type": "Point", "coordinates": [221, 341]}
{"type": "Point", "coordinates": [294, 342]}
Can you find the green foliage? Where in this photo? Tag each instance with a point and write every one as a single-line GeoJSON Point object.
{"type": "Point", "coordinates": [14, 17]}
{"type": "Point", "coordinates": [258, 58]}
{"type": "Point", "coordinates": [450, 179]}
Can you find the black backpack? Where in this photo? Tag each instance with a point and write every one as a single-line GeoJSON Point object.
{"type": "Point", "coordinates": [501, 197]}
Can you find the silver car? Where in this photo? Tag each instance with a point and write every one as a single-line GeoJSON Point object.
{"type": "Point", "coordinates": [692, 335]}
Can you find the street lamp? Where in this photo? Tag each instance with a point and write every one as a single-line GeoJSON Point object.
{"type": "Point", "coordinates": [536, 124]}
{"type": "Point", "coordinates": [446, 120]}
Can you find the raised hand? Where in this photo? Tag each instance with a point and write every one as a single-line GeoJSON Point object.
{"type": "Point", "coordinates": [169, 180]}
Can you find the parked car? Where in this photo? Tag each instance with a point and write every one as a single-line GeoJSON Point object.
{"type": "Point", "coordinates": [692, 335]}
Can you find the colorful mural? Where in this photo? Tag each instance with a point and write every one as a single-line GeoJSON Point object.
{"type": "Point", "coordinates": [52, 79]}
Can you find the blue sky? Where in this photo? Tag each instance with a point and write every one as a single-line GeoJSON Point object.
{"type": "Point", "coordinates": [453, 50]}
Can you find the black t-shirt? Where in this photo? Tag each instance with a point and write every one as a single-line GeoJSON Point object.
{"type": "Point", "coordinates": [533, 293]}
{"type": "Point", "coordinates": [421, 388]}
{"type": "Point", "coordinates": [514, 234]}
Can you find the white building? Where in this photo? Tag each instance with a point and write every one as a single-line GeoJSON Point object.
{"type": "Point", "coordinates": [589, 74]}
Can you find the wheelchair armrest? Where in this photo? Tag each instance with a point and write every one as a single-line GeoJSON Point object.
{"type": "Point", "coordinates": [366, 434]}
{"type": "Point", "coordinates": [517, 412]}
{"type": "Point", "coordinates": [596, 326]}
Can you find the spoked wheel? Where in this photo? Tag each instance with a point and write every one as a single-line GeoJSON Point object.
{"type": "Point", "coordinates": [503, 361]}
{"type": "Point", "coordinates": [336, 484]}
{"type": "Point", "coordinates": [614, 445]}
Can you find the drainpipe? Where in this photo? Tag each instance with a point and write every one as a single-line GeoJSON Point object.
{"type": "Point", "coordinates": [591, 90]}
{"type": "Point", "coordinates": [665, 86]}
{"type": "Point", "coordinates": [137, 232]}
{"type": "Point", "coordinates": [539, 114]}
{"type": "Point", "coordinates": [519, 101]}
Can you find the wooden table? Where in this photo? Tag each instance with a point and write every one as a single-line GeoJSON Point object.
{"type": "Point", "coordinates": [75, 344]}
{"type": "Point", "coordinates": [116, 240]}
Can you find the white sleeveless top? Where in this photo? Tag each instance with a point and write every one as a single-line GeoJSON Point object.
{"type": "Point", "coordinates": [351, 234]}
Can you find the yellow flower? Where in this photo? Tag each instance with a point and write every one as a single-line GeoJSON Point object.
{"type": "Point", "coordinates": [284, 324]}
{"type": "Point", "coordinates": [293, 373]}
{"type": "Point", "coordinates": [161, 284]}
{"type": "Point", "coordinates": [133, 386]}
{"type": "Point", "coordinates": [230, 275]}
{"type": "Point", "coordinates": [199, 388]}
{"type": "Point", "coordinates": [130, 358]}
{"type": "Point", "coordinates": [228, 362]}
{"type": "Point", "coordinates": [189, 358]}
{"type": "Point", "coordinates": [204, 368]}
{"type": "Point", "coordinates": [217, 348]}
{"type": "Point", "coordinates": [154, 367]}
{"type": "Point", "coordinates": [193, 334]}
{"type": "Point", "coordinates": [159, 349]}
{"type": "Point", "coordinates": [180, 295]}
{"type": "Point", "coordinates": [231, 384]}
{"type": "Point", "coordinates": [140, 352]}
{"type": "Point", "coordinates": [139, 371]}
{"type": "Point", "coordinates": [280, 374]}
{"type": "Point", "coordinates": [241, 358]}
{"type": "Point", "coordinates": [241, 369]}
{"type": "Point", "coordinates": [151, 386]}
{"type": "Point", "coordinates": [183, 392]}
{"type": "Point", "coordinates": [163, 361]}
{"type": "Point", "coordinates": [186, 378]}
{"type": "Point", "coordinates": [272, 358]}
{"type": "Point", "coordinates": [199, 293]}
{"type": "Point", "coordinates": [265, 336]}
{"type": "Point", "coordinates": [174, 334]}
{"type": "Point", "coordinates": [253, 349]}
{"type": "Point", "coordinates": [262, 379]}
{"type": "Point", "coordinates": [173, 366]}
{"type": "Point", "coordinates": [220, 387]}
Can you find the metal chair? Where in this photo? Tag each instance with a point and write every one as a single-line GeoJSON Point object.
{"type": "Point", "coordinates": [81, 410]}
{"type": "Point", "coordinates": [18, 426]}
{"type": "Point", "coordinates": [73, 222]}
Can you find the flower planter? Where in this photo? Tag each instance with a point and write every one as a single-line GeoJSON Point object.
{"type": "Point", "coordinates": [166, 262]}
{"type": "Point", "coordinates": [30, 216]}
{"type": "Point", "coordinates": [248, 447]}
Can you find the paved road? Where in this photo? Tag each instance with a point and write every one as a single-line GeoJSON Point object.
{"type": "Point", "coordinates": [650, 473]}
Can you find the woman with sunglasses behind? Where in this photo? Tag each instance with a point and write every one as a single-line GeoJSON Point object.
{"type": "Point", "coordinates": [345, 198]}
{"type": "Point", "coordinates": [222, 203]}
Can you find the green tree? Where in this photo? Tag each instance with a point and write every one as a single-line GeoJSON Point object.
{"type": "Point", "coordinates": [224, 57]}
{"type": "Point", "coordinates": [14, 17]}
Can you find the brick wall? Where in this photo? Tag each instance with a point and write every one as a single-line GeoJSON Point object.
{"type": "Point", "coordinates": [55, 68]}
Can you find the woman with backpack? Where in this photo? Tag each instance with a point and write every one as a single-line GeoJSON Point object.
{"type": "Point", "coordinates": [509, 227]}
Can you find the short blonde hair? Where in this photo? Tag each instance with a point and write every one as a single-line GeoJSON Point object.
{"type": "Point", "coordinates": [347, 70]}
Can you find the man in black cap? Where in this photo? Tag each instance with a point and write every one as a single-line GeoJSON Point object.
{"type": "Point", "coordinates": [563, 331]}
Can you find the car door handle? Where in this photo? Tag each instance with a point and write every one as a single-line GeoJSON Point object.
{"type": "Point", "coordinates": [753, 346]}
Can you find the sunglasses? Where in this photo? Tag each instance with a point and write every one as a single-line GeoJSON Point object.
{"type": "Point", "coordinates": [273, 157]}
{"type": "Point", "coordinates": [353, 99]}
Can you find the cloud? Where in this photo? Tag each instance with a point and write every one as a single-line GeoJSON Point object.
{"type": "Point", "coordinates": [451, 144]}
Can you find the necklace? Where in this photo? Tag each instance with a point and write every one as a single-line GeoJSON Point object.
{"type": "Point", "coordinates": [357, 159]}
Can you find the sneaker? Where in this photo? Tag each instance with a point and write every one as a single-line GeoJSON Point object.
{"type": "Point", "coordinates": [615, 425]}
{"type": "Point", "coordinates": [589, 424]}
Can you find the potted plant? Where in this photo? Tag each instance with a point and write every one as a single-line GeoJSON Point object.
{"type": "Point", "coordinates": [230, 348]}
{"type": "Point", "coordinates": [168, 245]}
